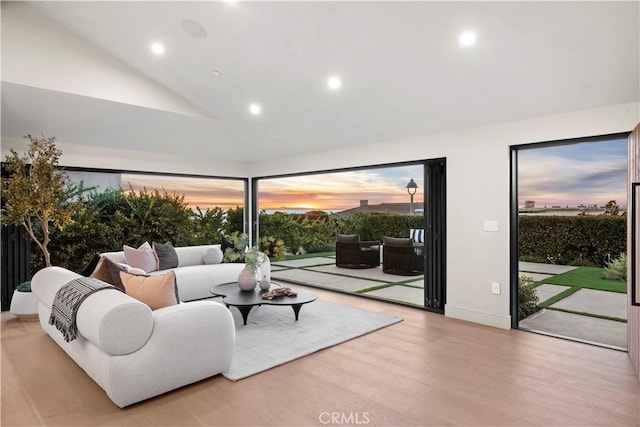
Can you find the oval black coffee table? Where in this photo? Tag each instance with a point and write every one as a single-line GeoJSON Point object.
{"type": "Point", "coordinates": [246, 300]}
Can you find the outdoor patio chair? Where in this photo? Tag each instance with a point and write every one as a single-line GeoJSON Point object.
{"type": "Point", "coordinates": [353, 253]}
{"type": "Point", "coordinates": [402, 256]}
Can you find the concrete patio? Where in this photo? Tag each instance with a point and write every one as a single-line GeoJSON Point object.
{"type": "Point", "coordinates": [322, 272]}
{"type": "Point", "coordinates": [572, 325]}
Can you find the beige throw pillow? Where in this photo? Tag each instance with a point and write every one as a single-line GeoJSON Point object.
{"type": "Point", "coordinates": [155, 291]}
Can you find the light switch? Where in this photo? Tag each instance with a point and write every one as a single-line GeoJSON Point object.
{"type": "Point", "coordinates": [495, 288]}
{"type": "Point", "coordinates": [491, 225]}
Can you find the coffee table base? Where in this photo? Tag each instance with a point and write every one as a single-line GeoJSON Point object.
{"type": "Point", "coordinates": [232, 296]}
{"type": "Point", "coordinates": [246, 309]}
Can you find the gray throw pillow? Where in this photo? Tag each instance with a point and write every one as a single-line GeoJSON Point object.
{"type": "Point", "coordinates": [166, 254]}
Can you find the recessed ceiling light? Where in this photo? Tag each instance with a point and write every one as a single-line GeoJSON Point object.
{"type": "Point", "coordinates": [255, 109]}
{"type": "Point", "coordinates": [216, 73]}
{"type": "Point", "coordinates": [334, 83]}
{"type": "Point", "coordinates": [467, 38]}
{"type": "Point", "coordinates": [157, 48]}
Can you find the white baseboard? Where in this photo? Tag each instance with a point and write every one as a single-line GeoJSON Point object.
{"type": "Point", "coordinates": [489, 319]}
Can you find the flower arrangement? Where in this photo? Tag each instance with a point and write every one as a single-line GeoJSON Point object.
{"type": "Point", "coordinates": [252, 257]}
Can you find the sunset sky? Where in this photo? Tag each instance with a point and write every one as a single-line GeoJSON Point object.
{"type": "Point", "coordinates": [570, 175]}
{"type": "Point", "coordinates": [341, 190]}
{"type": "Point", "coordinates": [205, 193]}
{"type": "Point", "coordinates": [331, 191]}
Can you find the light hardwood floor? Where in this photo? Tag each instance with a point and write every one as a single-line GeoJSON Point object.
{"type": "Point", "coordinates": [426, 370]}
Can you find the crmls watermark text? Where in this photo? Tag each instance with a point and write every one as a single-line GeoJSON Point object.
{"type": "Point", "coordinates": [344, 418]}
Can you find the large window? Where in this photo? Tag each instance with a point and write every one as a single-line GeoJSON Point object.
{"type": "Point", "coordinates": [307, 211]}
{"type": "Point", "coordinates": [380, 190]}
{"type": "Point", "coordinates": [569, 211]}
{"type": "Point", "coordinates": [202, 192]}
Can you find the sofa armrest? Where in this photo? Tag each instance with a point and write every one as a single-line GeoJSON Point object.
{"type": "Point", "coordinates": [190, 341]}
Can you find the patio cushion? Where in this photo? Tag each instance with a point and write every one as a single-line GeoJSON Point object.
{"type": "Point", "coordinates": [348, 238]}
{"type": "Point", "coordinates": [398, 241]}
{"type": "Point", "coordinates": [417, 234]}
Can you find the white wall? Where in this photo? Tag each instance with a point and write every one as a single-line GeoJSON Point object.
{"type": "Point", "coordinates": [33, 42]}
{"type": "Point", "coordinates": [477, 190]}
{"type": "Point", "coordinates": [87, 156]}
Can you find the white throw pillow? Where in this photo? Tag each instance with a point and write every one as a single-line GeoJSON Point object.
{"type": "Point", "coordinates": [212, 256]}
{"type": "Point", "coordinates": [143, 258]}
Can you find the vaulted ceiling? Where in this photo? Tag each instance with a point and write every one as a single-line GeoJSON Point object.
{"type": "Point", "coordinates": [402, 68]}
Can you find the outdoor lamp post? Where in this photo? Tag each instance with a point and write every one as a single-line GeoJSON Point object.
{"type": "Point", "coordinates": [412, 187]}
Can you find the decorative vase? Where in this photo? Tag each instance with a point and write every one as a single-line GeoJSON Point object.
{"type": "Point", "coordinates": [264, 283]}
{"type": "Point", "coordinates": [24, 305]}
{"type": "Point", "coordinates": [246, 280]}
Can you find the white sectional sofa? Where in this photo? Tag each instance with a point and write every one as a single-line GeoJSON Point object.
{"type": "Point", "coordinates": [194, 277]}
{"type": "Point", "coordinates": [134, 353]}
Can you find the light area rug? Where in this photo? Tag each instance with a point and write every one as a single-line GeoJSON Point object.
{"type": "Point", "coordinates": [272, 337]}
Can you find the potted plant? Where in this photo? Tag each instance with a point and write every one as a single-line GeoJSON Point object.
{"type": "Point", "coordinates": [251, 256]}
{"type": "Point", "coordinates": [24, 303]}
{"type": "Point", "coordinates": [36, 194]}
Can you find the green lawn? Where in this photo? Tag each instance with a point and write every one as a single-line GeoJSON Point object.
{"type": "Point", "coordinates": [587, 277]}
{"type": "Point", "coordinates": [582, 277]}
{"type": "Point", "coordinates": [307, 255]}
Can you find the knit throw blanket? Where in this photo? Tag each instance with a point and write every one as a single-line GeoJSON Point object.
{"type": "Point", "coordinates": [68, 300]}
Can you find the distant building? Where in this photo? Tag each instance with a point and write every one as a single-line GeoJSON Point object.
{"type": "Point", "coordinates": [530, 204]}
{"type": "Point", "coordinates": [396, 208]}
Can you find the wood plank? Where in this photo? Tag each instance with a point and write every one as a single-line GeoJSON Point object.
{"type": "Point", "coordinates": [425, 370]}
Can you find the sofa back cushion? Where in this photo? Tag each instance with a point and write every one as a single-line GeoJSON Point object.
{"type": "Point", "coordinates": [115, 322]}
{"type": "Point", "coordinates": [110, 319]}
{"type": "Point", "coordinates": [192, 255]}
{"type": "Point", "coordinates": [213, 256]}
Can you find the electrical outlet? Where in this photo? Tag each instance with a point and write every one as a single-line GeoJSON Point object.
{"type": "Point", "coordinates": [495, 288]}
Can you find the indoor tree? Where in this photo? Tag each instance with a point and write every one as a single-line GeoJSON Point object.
{"type": "Point", "coordinates": [35, 192]}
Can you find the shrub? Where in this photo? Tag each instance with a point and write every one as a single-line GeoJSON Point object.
{"type": "Point", "coordinates": [273, 247]}
{"type": "Point", "coordinates": [207, 226]}
{"type": "Point", "coordinates": [562, 240]}
{"type": "Point", "coordinates": [235, 220]}
{"type": "Point", "coordinates": [533, 258]}
{"type": "Point", "coordinates": [527, 297]}
{"type": "Point", "coordinates": [115, 217]}
{"type": "Point", "coordinates": [616, 269]}
{"type": "Point", "coordinates": [24, 287]}
{"type": "Point", "coordinates": [375, 225]}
